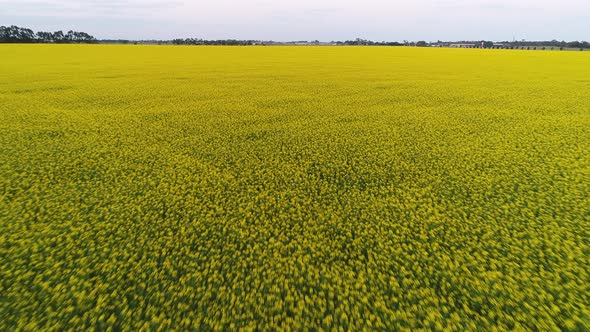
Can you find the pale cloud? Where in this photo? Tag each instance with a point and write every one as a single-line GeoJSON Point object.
{"type": "Point", "coordinates": [308, 19]}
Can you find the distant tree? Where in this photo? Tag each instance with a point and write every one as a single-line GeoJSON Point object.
{"type": "Point", "coordinates": [488, 44]}
{"type": "Point", "coordinates": [360, 41]}
{"type": "Point", "coordinates": [58, 36]}
{"type": "Point", "coordinates": [44, 37]}
{"type": "Point", "coordinates": [69, 37]}
{"type": "Point", "coordinates": [4, 34]}
{"type": "Point", "coordinates": [26, 35]}
{"type": "Point", "coordinates": [421, 43]}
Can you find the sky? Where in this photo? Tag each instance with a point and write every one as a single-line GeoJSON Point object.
{"type": "Point", "coordinates": [324, 20]}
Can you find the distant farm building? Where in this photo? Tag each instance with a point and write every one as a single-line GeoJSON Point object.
{"type": "Point", "coordinates": [462, 45]}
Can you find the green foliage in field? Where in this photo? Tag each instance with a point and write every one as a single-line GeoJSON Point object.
{"type": "Point", "coordinates": [218, 188]}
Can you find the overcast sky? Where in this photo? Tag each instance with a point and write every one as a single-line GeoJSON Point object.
{"type": "Point", "coordinates": [392, 20]}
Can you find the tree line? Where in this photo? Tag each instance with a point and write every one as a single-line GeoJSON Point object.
{"type": "Point", "coordinates": [198, 41]}
{"type": "Point", "coordinates": [551, 43]}
{"type": "Point", "coordinates": [236, 42]}
{"type": "Point", "coordinates": [516, 44]}
{"type": "Point", "coordinates": [366, 42]}
{"type": "Point", "coordinates": [15, 34]}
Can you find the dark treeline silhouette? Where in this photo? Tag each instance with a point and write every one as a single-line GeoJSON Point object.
{"type": "Point", "coordinates": [366, 42]}
{"type": "Point", "coordinates": [551, 43]}
{"type": "Point", "coordinates": [14, 34]}
{"type": "Point", "coordinates": [198, 41]}
{"type": "Point", "coordinates": [555, 44]}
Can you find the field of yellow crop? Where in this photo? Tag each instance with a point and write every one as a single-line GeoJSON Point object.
{"type": "Point", "coordinates": [272, 188]}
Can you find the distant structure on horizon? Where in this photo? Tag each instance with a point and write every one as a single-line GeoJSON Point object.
{"type": "Point", "coordinates": [462, 45]}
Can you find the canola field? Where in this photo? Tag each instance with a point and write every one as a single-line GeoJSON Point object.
{"type": "Point", "coordinates": [161, 188]}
